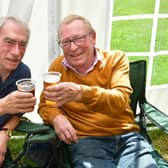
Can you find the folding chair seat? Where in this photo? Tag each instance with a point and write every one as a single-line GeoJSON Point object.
{"type": "Point", "coordinates": [42, 133]}
{"type": "Point", "coordinates": [41, 148]}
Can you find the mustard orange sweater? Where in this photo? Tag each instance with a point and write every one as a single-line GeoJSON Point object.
{"type": "Point", "coordinates": [105, 106]}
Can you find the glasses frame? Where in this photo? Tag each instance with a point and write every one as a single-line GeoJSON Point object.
{"type": "Point", "coordinates": [76, 40]}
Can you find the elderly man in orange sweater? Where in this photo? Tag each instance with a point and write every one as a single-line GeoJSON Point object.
{"type": "Point", "coordinates": [92, 113]}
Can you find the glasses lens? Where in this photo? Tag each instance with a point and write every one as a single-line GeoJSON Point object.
{"type": "Point", "coordinates": [78, 41]}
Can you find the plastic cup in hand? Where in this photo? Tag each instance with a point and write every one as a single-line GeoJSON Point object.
{"type": "Point", "coordinates": [26, 85]}
{"type": "Point", "coordinates": [49, 79]}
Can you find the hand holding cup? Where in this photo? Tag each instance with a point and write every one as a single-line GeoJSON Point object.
{"type": "Point", "coordinates": [25, 101]}
{"type": "Point", "coordinates": [51, 78]}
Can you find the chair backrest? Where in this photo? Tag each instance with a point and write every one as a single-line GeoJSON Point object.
{"type": "Point", "coordinates": [138, 83]}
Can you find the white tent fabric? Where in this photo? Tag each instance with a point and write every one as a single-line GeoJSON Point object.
{"type": "Point", "coordinates": [3, 7]}
{"type": "Point", "coordinates": [35, 13]}
{"type": "Point", "coordinates": [24, 9]}
{"type": "Point", "coordinates": [157, 95]}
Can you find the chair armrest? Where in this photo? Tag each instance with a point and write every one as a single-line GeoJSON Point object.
{"type": "Point", "coordinates": [36, 132]}
{"type": "Point", "coordinates": [27, 126]}
{"type": "Point", "coordinates": [48, 136]}
{"type": "Point", "coordinates": [156, 116]}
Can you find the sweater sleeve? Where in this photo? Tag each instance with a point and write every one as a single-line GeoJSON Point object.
{"type": "Point", "coordinates": [48, 113]}
{"type": "Point", "coordinates": [117, 95]}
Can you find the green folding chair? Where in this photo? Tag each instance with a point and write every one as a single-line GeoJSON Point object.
{"type": "Point", "coordinates": [41, 133]}
{"type": "Point", "coordinates": [147, 112]}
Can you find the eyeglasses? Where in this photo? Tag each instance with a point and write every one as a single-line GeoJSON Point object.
{"type": "Point", "coordinates": [77, 40]}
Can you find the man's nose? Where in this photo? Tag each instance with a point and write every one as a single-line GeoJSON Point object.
{"type": "Point", "coordinates": [16, 49]}
{"type": "Point", "coordinates": [73, 45]}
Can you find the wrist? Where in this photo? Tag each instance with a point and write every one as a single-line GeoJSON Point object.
{"type": "Point", "coordinates": [2, 105]}
{"type": "Point", "coordinates": [7, 131]}
{"type": "Point", "coordinates": [79, 94]}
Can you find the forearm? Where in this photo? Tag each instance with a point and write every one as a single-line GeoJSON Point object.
{"type": "Point", "coordinates": [12, 123]}
{"type": "Point", "coordinates": [2, 112]}
{"type": "Point", "coordinates": [100, 99]}
{"type": "Point", "coordinates": [48, 113]}
{"type": "Point", "coordinates": [5, 136]}
{"type": "Point", "coordinates": [112, 90]}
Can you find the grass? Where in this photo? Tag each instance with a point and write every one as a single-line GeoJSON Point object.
{"type": "Point", "coordinates": [162, 35]}
{"type": "Point", "coordinates": [159, 140]}
{"type": "Point", "coordinates": [15, 146]}
{"type": "Point", "coordinates": [163, 6]}
{"type": "Point", "coordinates": [129, 36]}
{"type": "Point", "coordinates": [132, 7]}
{"type": "Point", "coordinates": [135, 35]}
{"type": "Point", "coordinates": [159, 68]}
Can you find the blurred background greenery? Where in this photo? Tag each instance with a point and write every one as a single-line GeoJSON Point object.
{"type": "Point", "coordinates": [135, 35]}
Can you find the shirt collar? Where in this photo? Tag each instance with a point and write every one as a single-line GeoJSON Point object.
{"type": "Point", "coordinates": [98, 58]}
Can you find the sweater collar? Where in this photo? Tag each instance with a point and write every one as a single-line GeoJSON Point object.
{"type": "Point", "coordinates": [97, 59]}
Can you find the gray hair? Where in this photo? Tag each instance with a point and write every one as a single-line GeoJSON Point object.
{"type": "Point", "coordinates": [70, 18]}
{"type": "Point", "coordinates": [4, 20]}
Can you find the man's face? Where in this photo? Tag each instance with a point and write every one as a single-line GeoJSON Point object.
{"type": "Point", "coordinates": [13, 40]}
{"type": "Point", "coordinates": [77, 44]}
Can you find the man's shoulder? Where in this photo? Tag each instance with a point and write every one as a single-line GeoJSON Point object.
{"type": "Point", "coordinates": [23, 67]}
{"type": "Point", "coordinates": [112, 52]}
{"type": "Point", "coordinates": [57, 63]}
{"type": "Point", "coordinates": [23, 70]}
{"type": "Point", "coordinates": [59, 58]}
{"type": "Point", "coordinates": [113, 55]}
